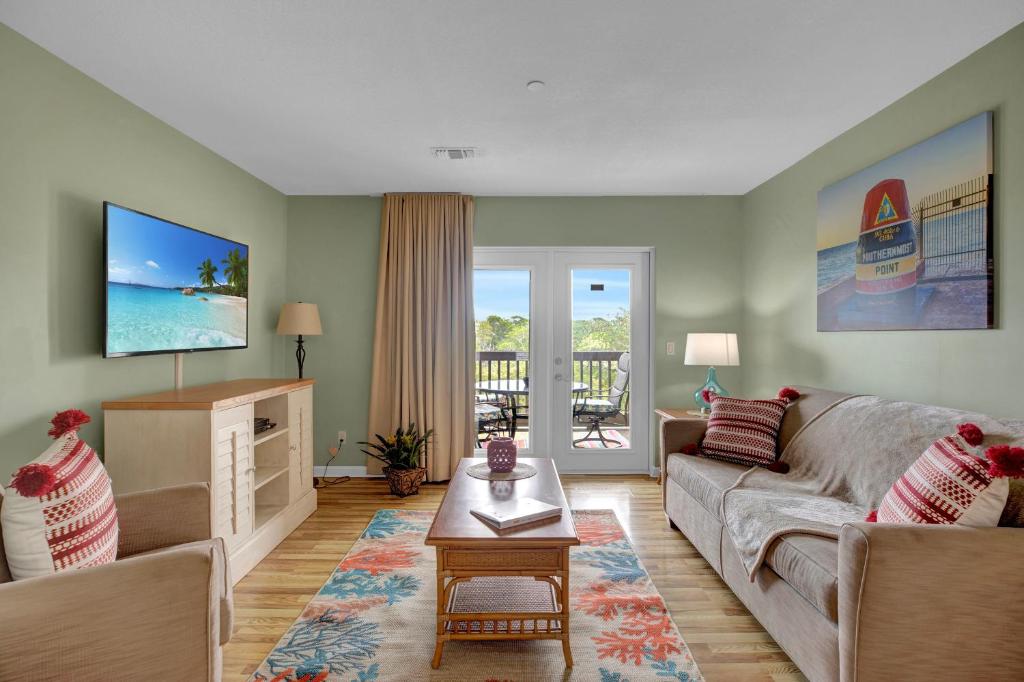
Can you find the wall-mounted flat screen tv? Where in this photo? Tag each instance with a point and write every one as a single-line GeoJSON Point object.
{"type": "Point", "coordinates": [171, 288]}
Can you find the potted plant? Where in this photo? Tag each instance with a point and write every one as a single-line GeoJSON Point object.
{"type": "Point", "coordinates": [401, 453]}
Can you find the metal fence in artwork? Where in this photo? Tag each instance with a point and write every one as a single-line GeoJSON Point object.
{"type": "Point", "coordinates": [954, 230]}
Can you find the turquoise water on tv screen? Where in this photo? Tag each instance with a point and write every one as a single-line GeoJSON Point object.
{"type": "Point", "coordinates": [144, 318]}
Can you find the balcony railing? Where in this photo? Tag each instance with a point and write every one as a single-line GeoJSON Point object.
{"type": "Point", "coordinates": [597, 368]}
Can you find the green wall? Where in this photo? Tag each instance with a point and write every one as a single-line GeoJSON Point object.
{"type": "Point", "coordinates": [980, 370]}
{"type": "Point", "coordinates": [66, 144]}
{"type": "Point", "coordinates": [332, 260]}
{"type": "Point", "coordinates": [333, 244]}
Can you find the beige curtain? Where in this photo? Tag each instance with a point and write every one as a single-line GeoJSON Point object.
{"type": "Point", "coordinates": [423, 342]}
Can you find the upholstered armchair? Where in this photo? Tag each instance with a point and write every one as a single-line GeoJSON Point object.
{"type": "Point", "coordinates": [162, 611]}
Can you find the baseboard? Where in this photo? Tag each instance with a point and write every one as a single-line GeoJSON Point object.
{"type": "Point", "coordinates": [655, 472]}
{"type": "Point", "coordinates": [333, 471]}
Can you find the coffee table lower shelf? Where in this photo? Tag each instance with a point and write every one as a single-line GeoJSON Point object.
{"type": "Point", "coordinates": [503, 607]}
{"type": "Point", "coordinates": [493, 608]}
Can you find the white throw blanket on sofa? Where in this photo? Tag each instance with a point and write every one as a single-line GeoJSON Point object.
{"type": "Point", "coordinates": [842, 462]}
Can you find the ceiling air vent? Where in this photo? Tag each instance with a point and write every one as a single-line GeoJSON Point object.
{"type": "Point", "coordinates": [453, 153]}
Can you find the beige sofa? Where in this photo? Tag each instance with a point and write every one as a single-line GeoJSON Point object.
{"type": "Point", "coordinates": [162, 611]}
{"type": "Point", "coordinates": [881, 602]}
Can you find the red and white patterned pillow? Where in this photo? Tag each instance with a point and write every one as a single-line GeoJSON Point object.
{"type": "Point", "coordinates": [58, 512]}
{"type": "Point", "coordinates": [949, 484]}
{"type": "Point", "coordinates": [746, 431]}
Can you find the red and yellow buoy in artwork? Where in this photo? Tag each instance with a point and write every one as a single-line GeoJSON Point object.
{"type": "Point", "coordinates": [887, 250]}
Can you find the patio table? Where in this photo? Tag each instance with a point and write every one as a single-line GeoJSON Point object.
{"type": "Point", "coordinates": [512, 388]}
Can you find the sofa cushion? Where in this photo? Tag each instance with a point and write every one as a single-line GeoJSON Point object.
{"type": "Point", "coordinates": [743, 431]}
{"type": "Point", "coordinates": [830, 447]}
{"type": "Point", "coordinates": [800, 413]}
{"type": "Point", "coordinates": [810, 564]}
{"type": "Point", "coordinates": [705, 479]}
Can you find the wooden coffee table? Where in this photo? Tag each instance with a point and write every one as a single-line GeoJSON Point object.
{"type": "Point", "coordinates": [500, 585]}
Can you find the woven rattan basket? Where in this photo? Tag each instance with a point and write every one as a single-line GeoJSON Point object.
{"type": "Point", "coordinates": [405, 482]}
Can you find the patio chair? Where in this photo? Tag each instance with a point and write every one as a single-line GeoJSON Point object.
{"type": "Point", "coordinates": [598, 409]}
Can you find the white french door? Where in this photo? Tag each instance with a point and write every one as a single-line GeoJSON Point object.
{"type": "Point", "coordinates": [564, 354]}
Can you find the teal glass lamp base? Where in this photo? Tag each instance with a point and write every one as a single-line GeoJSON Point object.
{"type": "Point", "coordinates": [710, 385]}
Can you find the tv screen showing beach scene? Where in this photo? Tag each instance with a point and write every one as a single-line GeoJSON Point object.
{"type": "Point", "coordinates": [171, 288]}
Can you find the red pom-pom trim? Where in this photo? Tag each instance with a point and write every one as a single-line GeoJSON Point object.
{"type": "Point", "coordinates": [872, 516]}
{"type": "Point", "coordinates": [708, 396]}
{"type": "Point", "coordinates": [971, 433]}
{"type": "Point", "coordinates": [778, 467]}
{"type": "Point", "coordinates": [34, 480]}
{"type": "Point", "coordinates": [690, 449]}
{"type": "Point", "coordinates": [1005, 461]}
{"type": "Point", "coordinates": [67, 421]}
{"type": "Point", "coordinates": [788, 393]}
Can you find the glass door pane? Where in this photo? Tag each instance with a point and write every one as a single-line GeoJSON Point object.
{"type": "Point", "coordinates": [502, 315]}
{"type": "Point", "coordinates": [600, 336]}
{"type": "Point", "coordinates": [601, 360]}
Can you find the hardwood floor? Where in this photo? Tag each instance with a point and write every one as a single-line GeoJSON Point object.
{"type": "Point", "coordinates": [727, 642]}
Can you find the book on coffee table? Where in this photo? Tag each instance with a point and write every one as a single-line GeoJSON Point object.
{"type": "Point", "coordinates": [516, 512]}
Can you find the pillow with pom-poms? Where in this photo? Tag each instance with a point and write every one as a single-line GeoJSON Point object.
{"type": "Point", "coordinates": [950, 484]}
{"type": "Point", "coordinates": [58, 511]}
{"type": "Point", "coordinates": [745, 431]}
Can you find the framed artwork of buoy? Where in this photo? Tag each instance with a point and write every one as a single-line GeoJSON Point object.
{"type": "Point", "coordinates": [907, 243]}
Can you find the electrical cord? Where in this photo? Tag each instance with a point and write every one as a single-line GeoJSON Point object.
{"type": "Point", "coordinates": [326, 482]}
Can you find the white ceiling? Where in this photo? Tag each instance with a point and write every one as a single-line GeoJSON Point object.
{"type": "Point", "coordinates": [643, 97]}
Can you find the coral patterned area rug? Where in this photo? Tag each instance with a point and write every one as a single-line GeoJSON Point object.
{"type": "Point", "coordinates": [375, 618]}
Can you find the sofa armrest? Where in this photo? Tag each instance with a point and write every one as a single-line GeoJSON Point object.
{"type": "Point", "coordinates": [675, 433]}
{"type": "Point", "coordinates": [928, 602]}
{"type": "Point", "coordinates": [164, 517]}
{"type": "Point", "coordinates": [151, 616]}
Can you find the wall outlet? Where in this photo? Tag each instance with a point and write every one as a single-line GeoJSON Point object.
{"type": "Point", "coordinates": [342, 437]}
{"type": "Point", "coordinates": [670, 348]}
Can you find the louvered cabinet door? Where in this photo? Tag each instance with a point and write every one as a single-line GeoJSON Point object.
{"type": "Point", "coordinates": [234, 475]}
{"type": "Point", "coordinates": [300, 441]}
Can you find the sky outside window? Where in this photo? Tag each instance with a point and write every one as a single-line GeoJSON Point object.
{"type": "Point", "coordinates": [506, 293]}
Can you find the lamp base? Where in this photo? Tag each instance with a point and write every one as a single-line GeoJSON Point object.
{"type": "Point", "coordinates": [300, 354]}
{"type": "Point", "coordinates": [711, 384]}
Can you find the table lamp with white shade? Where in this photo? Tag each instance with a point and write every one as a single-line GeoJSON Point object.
{"type": "Point", "coordinates": [711, 349]}
{"type": "Point", "coordinates": [299, 319]}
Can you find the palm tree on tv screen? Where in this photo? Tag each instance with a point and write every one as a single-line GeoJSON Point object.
{"type": "Point", "coordinates": [207, 270]}
{"type": "Point", "coordinates": [236, 269]}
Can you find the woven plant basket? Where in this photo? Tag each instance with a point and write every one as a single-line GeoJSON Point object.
{"type": "Point", "coordinates": [405, 482]}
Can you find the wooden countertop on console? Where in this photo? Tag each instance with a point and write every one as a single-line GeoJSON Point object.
{"type": "Point", "coordinates": [211, 396]}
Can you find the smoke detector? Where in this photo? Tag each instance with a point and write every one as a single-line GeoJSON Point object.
{"type": "Point", "coordinates": [453, 153]}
